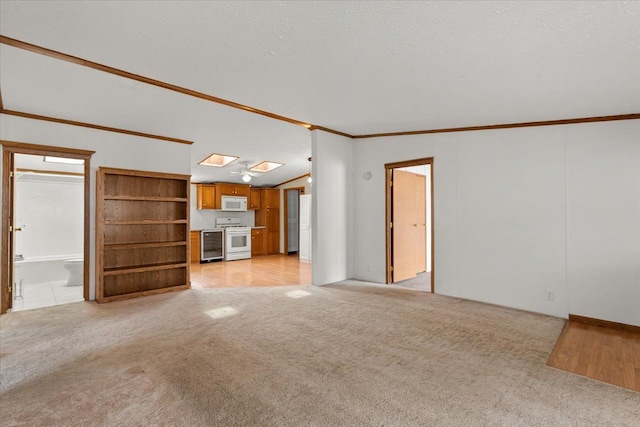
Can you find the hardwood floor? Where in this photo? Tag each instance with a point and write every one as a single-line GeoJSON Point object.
{"type": "Point", "coordinates": [602, 353]}
{"type": "Point", "coordinates": [272, 270]}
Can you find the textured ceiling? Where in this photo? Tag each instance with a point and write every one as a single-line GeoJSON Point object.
{"type": "Point", "coordinates": [357, 67]}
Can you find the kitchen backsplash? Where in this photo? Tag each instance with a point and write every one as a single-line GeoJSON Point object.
{"type": "Point", "coordinates": [202, 219]}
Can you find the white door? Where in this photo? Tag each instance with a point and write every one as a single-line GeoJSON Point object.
{"type": "Point", "coordinates": [305, 228]}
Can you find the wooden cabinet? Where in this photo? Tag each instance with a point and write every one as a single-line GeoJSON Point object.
{"type": "Point", "coordinates": [254, 198]}
{"type": "Point", "coordinates": [269, 216]}
{"type": "Point", "coordinates": [210, 195]}
{"type": "Point", "coordinates": [232, 190]}
{"type": "Point", "coordinates": [195, 246]}
{"type": "Point", "coordinates": [142, 232]}
{"type": "Point", "coordinates": [206, 196]}
{"type": "Point", "coordinates": [270, 198]}
{"type": "Point", "coordinates": [258, 247]}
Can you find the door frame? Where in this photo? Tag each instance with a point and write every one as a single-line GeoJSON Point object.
{"type": "Point", "coordinates": [9, 149]}
{"type": "Point", "coordinates": [285, 217]}
{"type": "Point", "coordinates": [388, 170]}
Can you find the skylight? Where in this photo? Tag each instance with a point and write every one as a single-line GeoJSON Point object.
{"type": "Point", "coordinates": [218, 160]}
{"type": "Point", "coordinates": [265, 166]}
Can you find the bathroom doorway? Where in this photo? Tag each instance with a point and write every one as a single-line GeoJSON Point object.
{"type": "Point", "coordinates": [45, 226]}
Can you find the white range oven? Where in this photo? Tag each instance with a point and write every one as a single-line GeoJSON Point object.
{"type": "Point", "coordinates": [237, 238]}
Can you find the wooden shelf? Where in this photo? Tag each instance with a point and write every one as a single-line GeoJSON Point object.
{"type": "Point", "coordinates": [120, 246]}
{"type": "Point", "coordinates": [144, 198]}
{"type": "Point", "coordinates": [144, 293]}
{"type": "Point", "coordinates": [142, 269]}
{"type": "Point", "coordinates": [142, 233]}
{"type": "Point", "coordinates": [145, 221]}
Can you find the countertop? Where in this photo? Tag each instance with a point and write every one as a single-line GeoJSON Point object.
{"type": "Point", "coordinates": [253, 228]}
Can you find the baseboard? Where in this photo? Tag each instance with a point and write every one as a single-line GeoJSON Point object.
{"type": "Point", "coordinates": [605, 323]}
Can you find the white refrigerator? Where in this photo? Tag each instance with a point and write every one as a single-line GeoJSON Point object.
{"type": "Point", "coordinates": [305, 228]}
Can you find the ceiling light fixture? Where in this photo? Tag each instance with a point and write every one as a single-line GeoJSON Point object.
{"type": "Point", "coordinates": [246, 177]}
{"type": "Point", "coordinates": [218, 160]}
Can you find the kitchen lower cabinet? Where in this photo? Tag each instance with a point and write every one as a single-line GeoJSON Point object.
{"type": "Point", "coordinates": [258, 242]}
{"type": "Point", "coordinates": [195, 246]}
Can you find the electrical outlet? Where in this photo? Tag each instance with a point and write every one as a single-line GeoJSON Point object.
{"type": "Point", "coordinates": [548, 295]}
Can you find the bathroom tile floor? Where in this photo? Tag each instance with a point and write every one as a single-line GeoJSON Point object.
{"type": "Point", "coordinates": [36, 295]}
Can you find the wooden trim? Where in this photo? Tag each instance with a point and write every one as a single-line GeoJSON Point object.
{"type": "Point", "coordinates": [42, 171]}
{"type": "Point", "coordinates": [388, 172]}
{"type": "Point", "coordinates": [104, 68]}
{"type": "Point", "coordinates": [409, 163]}
{"type": "Point", "coordinates": [632, 116]}
{"type": "Point", "coordinates": [336, 132]}
{"type": "Point", "coordinates": [6, 208]}
{"type": "Point", "coordinates": [605, 323]}
{"type": "Point", "coordinates": [147, 174]}
{"type": "Point", "coordinates": [433, 231]}
{"type": "Point", "coordinates": [9, 149]}
{"type": "Point", "coordinates": [45, 150]}
{"type": "Point", "coordinates": [388, 167]}
{"type": "Point", "coordinates": [115, 71]}
{"type": "Point", "coordinates": [93, 126]}
{"type": "Point", "coordinates": [87, 227]}
{"type": "Point", "coordinates": [1, 103]}
{"type": "Point", "coordinates": [291, 180]}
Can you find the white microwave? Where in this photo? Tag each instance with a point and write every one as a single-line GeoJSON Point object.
{"type": "Point", "coordinates": [234, 204]}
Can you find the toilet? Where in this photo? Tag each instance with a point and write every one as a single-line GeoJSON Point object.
{"type": "Point", "coordinates": [76, 271]}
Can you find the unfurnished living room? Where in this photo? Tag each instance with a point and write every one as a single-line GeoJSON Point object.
{"type": "Point", "coordinates": [320, 213]}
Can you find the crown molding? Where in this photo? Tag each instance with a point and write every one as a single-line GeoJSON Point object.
{"type": "Point", "coordinates": [115, 71]}
{"type": "Point", "coordinates": [632, 116]}
{"type": "Point", "coordinates": [122, 73]}
{"type": "Point", "coordinates": [92, 126]}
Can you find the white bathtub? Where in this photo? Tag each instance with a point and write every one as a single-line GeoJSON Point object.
{"type": "Point", "coordinates": [42, 269]}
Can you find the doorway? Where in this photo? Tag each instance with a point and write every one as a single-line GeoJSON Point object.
{"type": "Point", "coordinates": [45, 245]}
{"type": "Point", "coordinates": [409, 234]}
{"type": "Point", "coordinates": [291, 217]}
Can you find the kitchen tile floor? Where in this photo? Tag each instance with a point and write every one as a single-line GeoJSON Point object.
{"type": "Point", "coordinates": [36, 295]}
{"type": "Point", "coordinates": [271, 270]}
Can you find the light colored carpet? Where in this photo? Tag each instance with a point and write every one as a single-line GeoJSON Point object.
{"type": "Point", "coordinates": [349, 354]}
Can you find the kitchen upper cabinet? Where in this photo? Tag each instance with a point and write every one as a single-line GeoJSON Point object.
{"type": "Point", "coordinates": [258, 247]}
{"type": "Point", "coordinates": [254, 198]}
{"type": "Point", "coordinates": [270, 198]}
{"type": "Point", "coordinates": [206, 196]}
{"type": "Point", "coordinates": [233, 190]}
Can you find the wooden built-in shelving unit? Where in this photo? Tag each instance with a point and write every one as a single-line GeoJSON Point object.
{"type": "Point", "coordinates": [142, 233]}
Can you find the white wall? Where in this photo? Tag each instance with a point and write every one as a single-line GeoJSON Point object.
{"type": "Point", "coordinates": [50, 211]}
{"type": "Point", "coordinates": [332, 208]}
{"type": "Point", "coordinates": [112, 150]}
{"type": "Point", "coordinates": [508, 227]}
{"type": "Point", "coordinates": [603, 221]}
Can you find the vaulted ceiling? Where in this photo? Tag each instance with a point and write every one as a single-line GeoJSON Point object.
{"type": "Point", "coordinates": [351, 66]}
